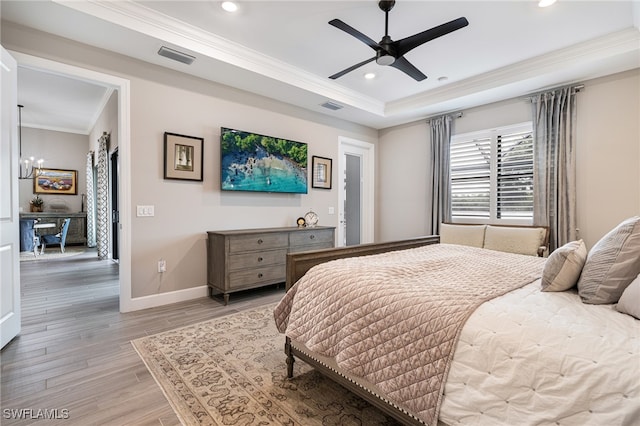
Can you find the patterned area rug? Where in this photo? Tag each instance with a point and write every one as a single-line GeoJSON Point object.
{"type": "Point", "coordinates": [231, 371]}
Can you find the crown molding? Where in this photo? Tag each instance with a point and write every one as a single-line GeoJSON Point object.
{"type": "Point", "coordinates": [600, 49]}
{"type": "Point", "coordinates": [142, 19]}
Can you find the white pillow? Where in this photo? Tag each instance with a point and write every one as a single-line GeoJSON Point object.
{"type": "Point", "coordinates": [514, 239]}
{"type": "Point", "coordinates": [563, 267]}
{"type": "Point", "coordinates": [464, 235]}
{"type": "Point", "coordinates": [629, 302]}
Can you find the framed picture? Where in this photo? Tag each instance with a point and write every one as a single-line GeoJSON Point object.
{"type": "Point", "coordinates": [321, 169]}
{"type": "Point", "coordinates": [55, 181]}
{"type": "Point", "coordinates": [183, 157]}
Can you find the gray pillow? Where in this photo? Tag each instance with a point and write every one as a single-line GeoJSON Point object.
{"type": "Point", "coordinates": [563, 267]}
{"type": "Point", "coordinates": [611, 264]}
{"type": "Point", "coordinates": [629, 302]}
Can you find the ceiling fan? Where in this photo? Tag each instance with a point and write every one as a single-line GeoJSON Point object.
{"type": "Point", "coordinates": [389, 52]}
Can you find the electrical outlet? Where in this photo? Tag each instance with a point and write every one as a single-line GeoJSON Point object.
{"type": "Point", "coordinates": [162, 265]}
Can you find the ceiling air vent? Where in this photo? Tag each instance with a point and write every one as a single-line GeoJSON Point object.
{"type": "Point", "coordinates": [332, 106]}
{"type": "Point", "coordinates": [175, 55]}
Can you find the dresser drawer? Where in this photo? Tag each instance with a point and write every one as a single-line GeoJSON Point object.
{"type": "Point", "coordinates": [297, 249]}
{"type": "Point", "coordinates": [251, 277]}
{"type": "Point", "coordinates": [310, 237]}
{"type": "Point", "coordinates": [240, 243]}
{"type": "Point", "coordinates": [256, 259]}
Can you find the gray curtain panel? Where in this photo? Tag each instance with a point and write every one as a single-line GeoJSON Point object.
{"type": "Point", "coordinates": [102, 198]}
{"type": "Point", "coordinates": [440, 172]}
{"type": "Point", "coordinates": [91, 203]}
{"type": "Point", "coordinates": [554, 133]}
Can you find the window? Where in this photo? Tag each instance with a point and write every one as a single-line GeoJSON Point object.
{"type": "Point", "coordinates": [492, 175]}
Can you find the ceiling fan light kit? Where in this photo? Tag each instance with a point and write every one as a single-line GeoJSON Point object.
{"type": "Point", "coordinates": [391, 53]}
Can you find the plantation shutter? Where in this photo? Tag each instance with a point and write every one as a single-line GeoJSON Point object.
{"type": "Point", "coordinates": [492, 175]}
{"type": "Point", "coordinates": [471, 178]}
{"type": "Point", "coordinates": [515, 176]}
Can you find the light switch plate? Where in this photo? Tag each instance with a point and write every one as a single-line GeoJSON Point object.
{"type": "Point", "coordinates": [145, 211]}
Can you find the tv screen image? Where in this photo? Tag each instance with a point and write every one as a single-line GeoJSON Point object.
{"type": "Point", "coordinates": [258, 163]}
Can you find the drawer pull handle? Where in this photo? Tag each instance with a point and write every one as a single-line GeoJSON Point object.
{"type": "Point", "coordinates": [312, 236]}
{"type": "Point", "coordinates": [260, 241]}
{"type": "Point", "coordinates": [260, 259]}
{"type": "Point", "coordinates": [260, 275]}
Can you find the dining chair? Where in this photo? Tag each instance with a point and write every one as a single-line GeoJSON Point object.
{"type": "Point", "coordinates": [29, 239]}
{"type": "Point", "coordinates": [58, 238]}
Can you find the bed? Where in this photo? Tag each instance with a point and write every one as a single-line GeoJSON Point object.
{"type": "Point", "coordinates": [379, 319]}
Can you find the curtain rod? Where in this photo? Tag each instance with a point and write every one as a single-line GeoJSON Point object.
{"type": "Point", "coordinates": [576, 87]}
{"type": "Point", "coordinates": [455, 114]}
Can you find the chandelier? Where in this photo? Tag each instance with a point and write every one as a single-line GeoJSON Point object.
{"type": "Point", "coordinates": [27, 166]}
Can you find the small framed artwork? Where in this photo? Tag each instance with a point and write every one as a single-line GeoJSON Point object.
{"type": "Point", "coordinates": [56, 181]}
{"type": "Point", "coordinates": [183, 157]}
{"type": "Point", "coordinates": [321, 169]}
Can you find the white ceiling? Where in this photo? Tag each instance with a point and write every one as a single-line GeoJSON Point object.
{"type": "Point", "coordinates": [286, 50]}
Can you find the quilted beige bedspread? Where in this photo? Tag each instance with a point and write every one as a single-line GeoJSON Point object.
{"type": "Point", "coordinates": [394, 318]}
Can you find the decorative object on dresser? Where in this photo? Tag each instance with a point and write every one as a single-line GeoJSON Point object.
{"type": "Point", "coordinates": [244, 259]}
{"type": "Point", "coordinates": [36, 204]}
{"type": "Point", "coordinates": [311, 219]}
{"type": "Point", "coordinates": [56, 181]}
{"type": "Point", "coordinates": [183, 159]}
{"type": "Point", "coordinates": [77, 233]}
{"type": "Point", "coordinates": [321, 167]}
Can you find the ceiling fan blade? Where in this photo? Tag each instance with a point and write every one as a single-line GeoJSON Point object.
{"type": "Point", "coordinates": [357, 34]}
{"type": "Point", "coordinates": [343, 72]}
{"type": "Point", "coordinates": [405, 66]}
{"type": "Point", "coordinates": [406, 44]}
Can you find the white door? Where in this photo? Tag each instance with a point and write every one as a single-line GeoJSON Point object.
{"type": "Point", "coordinates": [9, 216]}
{"type": "Point", "coordinates": [356, 192]}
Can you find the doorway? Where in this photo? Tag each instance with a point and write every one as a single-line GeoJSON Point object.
{"type": "Point", "coordinates": [356, 192]}
{"type": "Point", "coordinates": [122, 87]}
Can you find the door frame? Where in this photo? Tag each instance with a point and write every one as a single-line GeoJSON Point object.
{"type": "Point", "coordinates": [10, 310]}
{"type": "Point", "coordinates": [122, 86]}
{"type": "Point", "coordinates": [366, 151]}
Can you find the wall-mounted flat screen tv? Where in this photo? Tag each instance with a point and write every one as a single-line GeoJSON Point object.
{"type": "Point", "coordinates": [258, 163]}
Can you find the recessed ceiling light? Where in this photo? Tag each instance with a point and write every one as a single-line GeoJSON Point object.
{"type": "Point", "coordinates": [546, 3]}
{"type": "Point", "coordinates": [229, 6]}
{"type": "Point", "coordinates": [443, 78]}
{"type": "Point", "coordinates": [370, 75]}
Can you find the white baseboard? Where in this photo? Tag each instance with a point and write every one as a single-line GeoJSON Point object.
{"type": "Point", "coordinates": [145, 302]}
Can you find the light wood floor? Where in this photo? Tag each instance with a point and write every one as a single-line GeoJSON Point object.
{"type": "Point", "coordinates": [74, 351]}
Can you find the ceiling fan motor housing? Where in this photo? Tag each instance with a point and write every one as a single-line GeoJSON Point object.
{"type": "Point", "coordinates": [386, 54]}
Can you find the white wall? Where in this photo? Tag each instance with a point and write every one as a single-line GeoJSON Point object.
{"type": "Point", "coordinates": [608, 159]}
{"type": "Point", "coordinates": [60, 150]}
{"type": "Point", "coordinates": [185, 210]}
{"type": "Point", "coordinates": [608, 152]}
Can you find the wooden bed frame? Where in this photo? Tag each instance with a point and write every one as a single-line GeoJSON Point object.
{"type": "Point", "coordinates": [297, 265]}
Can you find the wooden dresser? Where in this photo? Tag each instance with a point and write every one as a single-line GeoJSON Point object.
{"type": "Point", "coordinates": [249, 258]}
